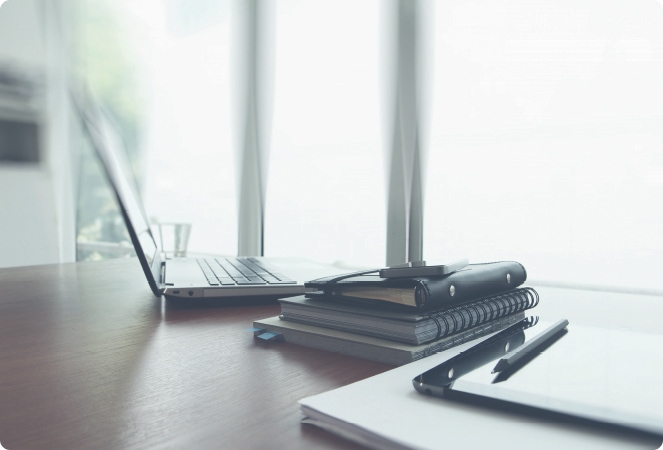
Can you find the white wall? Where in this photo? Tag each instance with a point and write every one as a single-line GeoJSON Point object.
{"type": "Point", "coordinates": [34, 198]}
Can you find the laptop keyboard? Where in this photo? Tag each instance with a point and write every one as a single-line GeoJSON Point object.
{"type": "Point", "coordinates": [240, 271]}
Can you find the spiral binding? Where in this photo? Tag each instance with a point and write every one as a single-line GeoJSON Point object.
{"type": "Point", "coordinates": [469, 315]}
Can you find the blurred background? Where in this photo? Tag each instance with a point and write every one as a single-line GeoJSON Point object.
{"type": "Point", "coordinates": [361, 133]}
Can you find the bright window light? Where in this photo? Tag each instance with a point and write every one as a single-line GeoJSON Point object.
{"type": "Point", "coordinates": [325, 197]}
{"type": "Point", "coordinates": [546, 142]}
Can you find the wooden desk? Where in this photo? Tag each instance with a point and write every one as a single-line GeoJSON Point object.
{"type": "Point", "coordinates": [91, 359]}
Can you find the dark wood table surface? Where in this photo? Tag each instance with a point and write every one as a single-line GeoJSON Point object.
{"type": "Point", "coordinates": [91, 359]}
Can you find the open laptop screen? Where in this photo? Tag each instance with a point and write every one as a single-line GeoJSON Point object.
{"type": "Point", "coordinates": [109, 148]}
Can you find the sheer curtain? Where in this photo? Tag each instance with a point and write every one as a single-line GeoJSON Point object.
{"type": "Point", "coordinates": [547, 138]}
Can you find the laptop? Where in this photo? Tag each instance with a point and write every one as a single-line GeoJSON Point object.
{"type": "Point", "coordinates": [188, 278]}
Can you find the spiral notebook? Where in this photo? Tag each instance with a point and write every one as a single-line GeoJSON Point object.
{"type": "Point", "coordinates": [404, 324]}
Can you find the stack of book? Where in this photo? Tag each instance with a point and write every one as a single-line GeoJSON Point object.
{"type": "Point", "coordinates": [400, 320]}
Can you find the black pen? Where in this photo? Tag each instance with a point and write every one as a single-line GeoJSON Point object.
{"type": "Point", "coordinates": [512, 358]}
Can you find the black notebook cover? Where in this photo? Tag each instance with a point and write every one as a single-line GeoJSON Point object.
{"type": "Point", "coordinates": [429, 293]}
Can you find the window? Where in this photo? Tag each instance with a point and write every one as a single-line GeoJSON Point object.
{"type": "Point", "coordinates": [546, 142]}
{"type": "Point", "coordinates": [161, 68]}
{"type": "Point", "coordinates": [326, 197]}
{"type": "Point", "coordinates": [190, 175]}
{"type": "Point", "coordinates": [105, 54]}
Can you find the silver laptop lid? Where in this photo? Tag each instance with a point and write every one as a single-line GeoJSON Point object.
{"type": "Point", "coordinates": [110, 149]}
